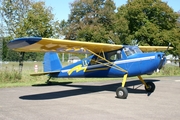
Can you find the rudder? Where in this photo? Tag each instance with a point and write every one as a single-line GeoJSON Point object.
{"type": "Point", "coordinates": [51, 62]}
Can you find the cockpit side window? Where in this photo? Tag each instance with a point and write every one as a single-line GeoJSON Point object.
{"type": "Point", "coordinates": [119, 55]}
{"type": "Point", "coordinates": [127, 52]}
{"type": "Point", "coordinates": [99, 59]}
{"type": "Point", "coordinates": [130, 50]}
{"type": "Point", "coordinates": [115, 55]}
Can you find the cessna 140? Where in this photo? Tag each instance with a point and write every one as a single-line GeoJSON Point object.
{"type": "Point", "coordinates": [107, 60]}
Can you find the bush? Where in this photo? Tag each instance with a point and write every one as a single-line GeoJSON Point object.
{"type": "Point", "coordinates": [9, 75]}
{"type": "Point", "coordinates": [169, 70]}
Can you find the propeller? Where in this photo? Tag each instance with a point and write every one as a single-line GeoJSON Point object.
{"type": "Point", "coordinates": [163, 59]}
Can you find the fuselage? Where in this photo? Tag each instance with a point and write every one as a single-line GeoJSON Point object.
{"type": "Point", "coordinates": [129, 58]}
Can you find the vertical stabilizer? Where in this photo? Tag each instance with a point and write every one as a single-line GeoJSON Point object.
{"type": "Point", "coordinates": [51, 62]}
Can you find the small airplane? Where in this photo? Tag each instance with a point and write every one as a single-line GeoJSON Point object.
{"type": "Point", "coordinates": [106, 60]}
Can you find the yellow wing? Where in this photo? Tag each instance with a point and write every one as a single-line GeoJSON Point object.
{"type": "Point", "coordinates": [38, 44]}
{"type": "Point", "coordinates": [154, 48]}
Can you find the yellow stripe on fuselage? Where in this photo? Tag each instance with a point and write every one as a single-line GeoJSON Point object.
{"type": "Point", "coordinates": [77, 69]}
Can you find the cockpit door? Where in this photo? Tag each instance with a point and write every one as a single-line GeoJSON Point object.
{"type": "Point", "coordinates": [132, 60]}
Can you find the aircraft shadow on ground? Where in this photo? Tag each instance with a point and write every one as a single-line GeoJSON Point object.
{"type": "Point", "coordinates": [132, 87]}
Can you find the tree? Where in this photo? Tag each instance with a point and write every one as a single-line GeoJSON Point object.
{"type": "Point", "coordinates": [13, 13]}
{"type": "Point", "coordinates": [27, 18]}
{"type": "Point", "coordinates": [38, 21]}
{"type": "Point", "coordinates": [121, 25]}
{"type": "Point", "coordinates": [8, 55]}
{"type": "Point", "coordinates": [149, 21]}
{"type": "Point", "coordinates": [176, 36]}
{"type": "Point", "coordinates": [90, 20]}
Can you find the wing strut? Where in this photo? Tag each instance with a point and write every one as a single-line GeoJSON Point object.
{"type": "Point", "coordinates": [121, 92]}
{"type": "Point", "coordinates": [103, 58]}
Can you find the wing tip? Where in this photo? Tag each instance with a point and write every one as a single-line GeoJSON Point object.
{"type": "Point", "coordinates": [22, 42]}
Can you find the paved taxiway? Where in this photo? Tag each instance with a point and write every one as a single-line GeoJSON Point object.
{"type": "Point", "coordinates": [92, 101]}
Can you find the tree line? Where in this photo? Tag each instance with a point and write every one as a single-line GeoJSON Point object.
{"type": "Point", "coordinates": [138, 22]}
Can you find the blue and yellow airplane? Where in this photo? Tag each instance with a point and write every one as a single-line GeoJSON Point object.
{"type": "Point", "coordinates": [106, 60]}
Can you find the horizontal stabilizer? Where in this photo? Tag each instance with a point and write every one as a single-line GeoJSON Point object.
{"type": "Point", "coordinates": [44, 73]}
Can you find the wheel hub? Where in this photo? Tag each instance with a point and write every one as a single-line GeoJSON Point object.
{"type": "Point", "coordinates": [149, 87]}
{"type": "Point", "coordinates": [121, 93]}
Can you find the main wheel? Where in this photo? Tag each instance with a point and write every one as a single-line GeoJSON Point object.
{"type": "Point", "coordinates": [121, 92]}
{"type": "Point", "coordinates": [151, 87]}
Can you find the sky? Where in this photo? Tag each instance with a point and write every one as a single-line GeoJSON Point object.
{"type": "Point", "coordinates": [61, 8]}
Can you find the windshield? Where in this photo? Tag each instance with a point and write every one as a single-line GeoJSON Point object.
{"type": "Point", "coordinates": [130, 50]}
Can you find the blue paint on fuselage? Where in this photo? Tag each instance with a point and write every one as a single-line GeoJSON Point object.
{"type": "Point", "coordinates": [136, 64]}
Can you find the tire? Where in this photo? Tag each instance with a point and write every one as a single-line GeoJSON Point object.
{"type": "Point", "coordinates": [121, 92]}
{"type": "Point", "coordinates": [151, 86]}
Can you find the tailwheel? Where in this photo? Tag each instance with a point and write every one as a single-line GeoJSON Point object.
{"type": "Point", "coordinates": [121, 92]}
{"type": "Point", "coordinates": [151, 87]}
{"type": "Point", "coordinates": [48, 81]}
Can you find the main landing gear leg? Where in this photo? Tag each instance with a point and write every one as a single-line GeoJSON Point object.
{"type": "Point", "coordinates": [122, 92]}
{"type": "Point", "coordinates": [149, 86]}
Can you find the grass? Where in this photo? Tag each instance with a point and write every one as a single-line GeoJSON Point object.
{"type": "Point", "coordinates": [10, 76]}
